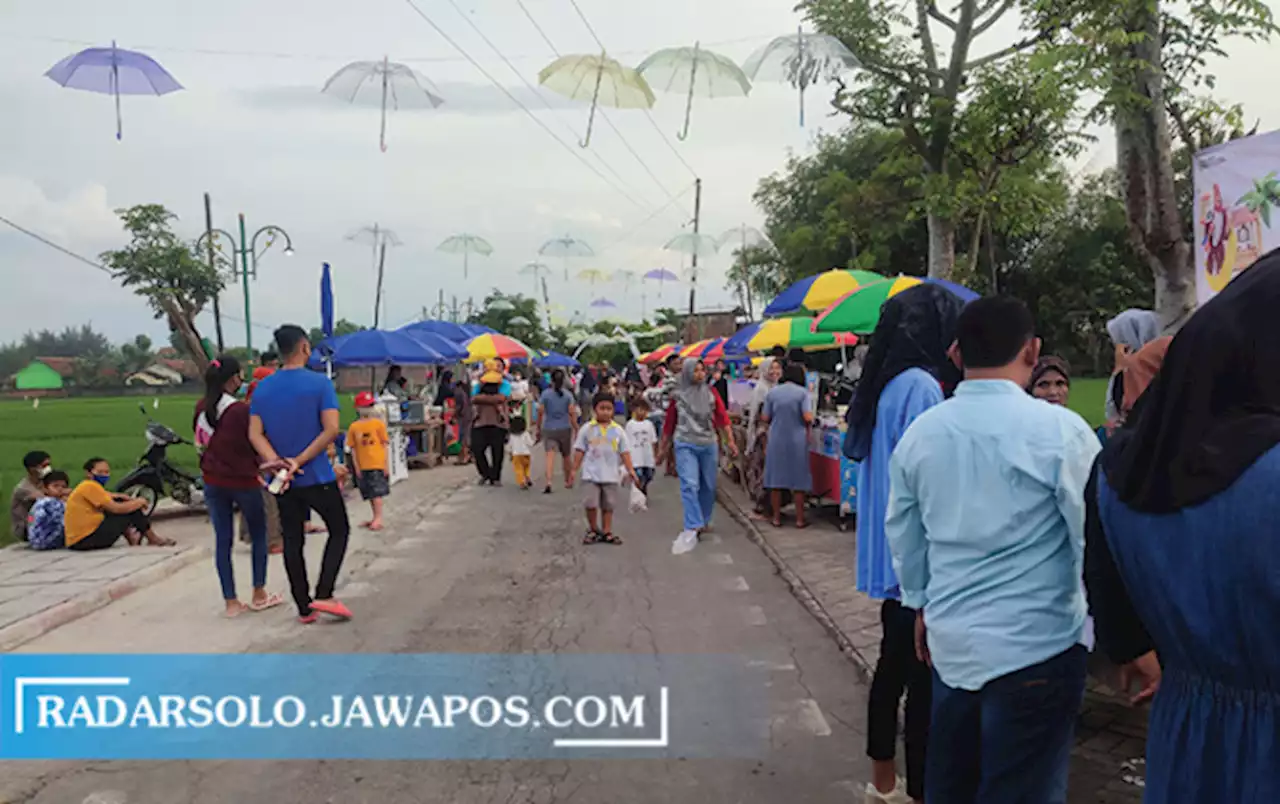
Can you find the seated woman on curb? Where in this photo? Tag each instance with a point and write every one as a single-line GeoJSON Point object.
{"type": "Point", "coordinates": [96, 518]}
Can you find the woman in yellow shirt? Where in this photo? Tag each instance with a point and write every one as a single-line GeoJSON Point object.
{"type": "Point", "coordinates": [96, 518]}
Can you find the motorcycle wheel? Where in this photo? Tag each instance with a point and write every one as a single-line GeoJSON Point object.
{"type": "Point", "coordinates": [181, 493]}
{"type": "Point", "coordinates": [145, 492]}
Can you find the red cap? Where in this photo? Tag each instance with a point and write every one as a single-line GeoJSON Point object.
{"type": "Point", "coordinates": [365, 399]}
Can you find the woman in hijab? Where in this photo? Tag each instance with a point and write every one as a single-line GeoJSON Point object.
{"type": "Point", "coordinates": [1129, 331]}
{"type": "Point", "coordinates": [693, 419]}
{"type": "Point", "coordinates": [1181, 558]}
{"type": "Point", "coordinates": [757, 435]}
{"type": "Point", "coordinates": [906, 370]}
{"type": "Point", "coordinates": [1051, 380]}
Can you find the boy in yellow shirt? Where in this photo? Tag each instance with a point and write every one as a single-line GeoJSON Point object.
{"type": "Point", "coordinates": [368, 440]}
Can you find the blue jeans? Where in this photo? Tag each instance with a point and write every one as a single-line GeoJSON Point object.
{"type": "Point", "coordinates": [221, 503]}
{"type": "Point", "coordinates": [697, 465]}
{"type": "Point", "coordinates": [1010, 742]}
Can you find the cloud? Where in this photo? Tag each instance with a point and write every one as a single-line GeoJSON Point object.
{"type": "Point", "coordinates": [82, 215]}
{"type": "Point", "coordinates": [459, 98]}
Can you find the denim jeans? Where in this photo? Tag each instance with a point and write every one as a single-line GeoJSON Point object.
{"type": "Point", "coordinates": [1009, 742]}
{"type": "Point", "coordinates": [697, 464]}
{"type": "Point", "coordinates": [221, 503]}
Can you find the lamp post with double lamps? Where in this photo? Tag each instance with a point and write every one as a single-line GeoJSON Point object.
{"type": "Point", "coordinates": [246, 249]}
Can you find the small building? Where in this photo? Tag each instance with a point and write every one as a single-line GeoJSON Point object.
{"type": "Point", "coordinates": [38, 376]}
{"type": "Point", "coordinates": [710, 324]}
{"type": "Point", "coordinates": [156, 375]}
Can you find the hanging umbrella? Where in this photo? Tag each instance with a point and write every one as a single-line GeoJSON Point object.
{"type": "Point", "coordinates": [693, 244]}
{"type": "Point", "coordinates": [819, 291]}
{"type": "Point", "coordinates": [789, 333]}
{"type": "Point", "coordinates": [520, 321]}
{"type": "Point", "coordinates": [660, 354]}
{"type": "Point", "coordinates": [859, 311]}
{"type": "Point", "coordinates": [800, 59]}
{"type": "Point", "coordinates": [566, 247]}
{"type": "Point", "coordinates": [375, 347]}
{"type": "Point", "coordinates": [696, 71]}
{"type": "Point", "coordinates": [489, 347]}
{"type": "Point", "coordinates": [466, 245]}
{"type": "Point", "coordinates": [501, 306]}
{"type": "Point", "coordinates": [537, 270]}
{"type": "Point", "coordinates": [113, 71]}
{"type": "Point", "coordinates": [398, 85]}
{"type": "Point", "coordinates": [627, 278]}
{"type": "Point", "coordinates": [602, 302]}
{"type": "Point", "coordinates": [593, 275]}
{"type": "Point", "coordinates": [709, 349]}
{"type": "Point", "coordinates": [598, 79]}
{"type": "Point", "coordinates": [326, 302]}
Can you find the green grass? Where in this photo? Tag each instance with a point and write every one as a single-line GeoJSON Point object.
{"type": "Point", "coordinates": [74, 430]}
{"type": "Point", "coordinates": [1087, 395]}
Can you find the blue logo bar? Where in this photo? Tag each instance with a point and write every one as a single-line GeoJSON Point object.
{"type": "Point", "coordinates": [376, 706]}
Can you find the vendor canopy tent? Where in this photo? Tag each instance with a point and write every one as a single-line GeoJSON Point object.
{"type": "Point", "coordinates": [376, 347]}
{"type": "Point", "coordinates": [37, 376]}
{"type": "Point", "coordinates": [458, 333]}
{"type": "Point", "coordinates": [554, 360]}
{"type": "Point", "coordinates": [859, 311]}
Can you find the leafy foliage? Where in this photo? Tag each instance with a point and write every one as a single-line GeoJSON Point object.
{"type": "Point", "coordinates": [340, 327]}
{"type": "Point", "coordinates": [526, 307]}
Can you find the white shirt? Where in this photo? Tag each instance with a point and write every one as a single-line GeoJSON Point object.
{"type": "Point", "coordinates": [522, 444]}
{"type": "Point", "coordinates": [519, 390]}
{"type": "Point", "coordinates": [642, 436]}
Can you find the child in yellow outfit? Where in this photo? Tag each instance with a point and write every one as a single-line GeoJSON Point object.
{"type": "Point", "coordinates": [521, 451]}
{"type": "Point", "coordinates": [368, 440]}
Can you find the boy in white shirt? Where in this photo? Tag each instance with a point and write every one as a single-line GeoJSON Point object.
{"type": "Point", "coordinates": [641, 437]}
{"type": "Point", "coordinates": [602, 455]}
{"type": "Point", "coordinates": [521, 451]}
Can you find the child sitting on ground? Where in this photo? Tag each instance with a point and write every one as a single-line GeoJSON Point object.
{"type": "Point", "coordinates": [367, 438]}
{"type": "Point", "coordinates": [601, 454]}
{"type": "Point", "coordinates": [521, 451]}
{"type": "Point", "coordinates": [45, 528]}
{"type": "Point", "coordinates": [641, 437]}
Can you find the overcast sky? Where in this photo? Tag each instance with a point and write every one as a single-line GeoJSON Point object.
{"type": "Point", "coordinates": [255, 131]}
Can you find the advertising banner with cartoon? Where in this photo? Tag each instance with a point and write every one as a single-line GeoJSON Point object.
{"type": "Point", "coordinates": [1236, 184]}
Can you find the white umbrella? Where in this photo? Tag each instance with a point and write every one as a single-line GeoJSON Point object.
{"type": "Point", "coordinates": [566, 247]}
{"type": "Point", "coordinates": [598, 79]}
{"type": "Point", "coordinates": [696, 71]}
{"type": "Point", "coordinates": [501, 306]}
{"type": "Point", "coordinates": [800, 59]}
{"type": "Point", "coordinates": [399, 85]}
{"type": "Point", "coordinates": [466, 245]}
{"type": "Point", "coordinates": [535, 270]}
{"type": "Point", "coordinates": [519, 321]}
{"type": "Point", "coordinates": [693, 244]}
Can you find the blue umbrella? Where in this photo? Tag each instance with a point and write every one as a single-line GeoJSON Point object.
{"type": "Point", "coordinates": [374, 347]}
{"type": "Point", "coordinates": [556, 360]}
{"type": "Point", "coordinates": [113, 71]}
{"type": "Point", "coordinates": [326, 302]}
{"type": "Point", "coordinates": [458, 333]}
{"type": "Point", "coordinates": [437, 343]}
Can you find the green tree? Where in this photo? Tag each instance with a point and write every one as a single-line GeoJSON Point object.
{"type": "Point", "coordinates": [136, 355]}
{"type": "Point", "coordinates": [166, 271]}
{"type": "Point", "coordinates": [340, 327]}
{"type": "Point", "coordinates": [526, 307]}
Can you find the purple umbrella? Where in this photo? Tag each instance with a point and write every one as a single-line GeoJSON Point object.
{"type": "Point", "coordinates": [661, 274]}
{"type": "Point", "coordinates": [603, 302]}
{"type": "Point", "coordinates": [113, 71]}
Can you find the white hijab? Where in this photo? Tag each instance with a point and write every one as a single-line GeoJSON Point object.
{"type": "Point", "coordinates": [763, 386]}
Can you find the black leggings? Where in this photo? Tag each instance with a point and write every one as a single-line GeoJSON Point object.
{"type": "Point", "coordinates": [493, 440]}
{"type": "Point", "coordinates": [326, 500]}
{"type": "Point", "coordinates": [899, 670]}
{"type": "Point", "coordinates": [112, 528]}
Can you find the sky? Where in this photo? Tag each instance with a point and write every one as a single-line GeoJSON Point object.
{"type": "Point", "coordinates": [253, 129]}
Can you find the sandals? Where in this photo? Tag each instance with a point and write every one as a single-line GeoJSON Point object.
{"type": "Point", "coordinates": [595, 537]}
{"type": "Point", "coordinates": [609, 538]}
{"type": "Point", "coordinates": [272, 600]}
{"type": "Point", "coordinates": [591, 537]}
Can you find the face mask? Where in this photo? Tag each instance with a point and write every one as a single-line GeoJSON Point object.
{"type": "Point", "coordinates": [102, 479]}
{"type": "Point", "coordinates": [44, 470]}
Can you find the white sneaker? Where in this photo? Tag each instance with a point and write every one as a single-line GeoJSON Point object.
{"type": "Point", "coordinates": [898, 796]}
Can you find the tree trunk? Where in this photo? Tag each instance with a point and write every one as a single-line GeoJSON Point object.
{"type": "Point", "coordinates": [1144, 156]}
{"type": "Point", "coordinates": [942, 246]}
{"type": "Point", "coordinates": [186, 329]}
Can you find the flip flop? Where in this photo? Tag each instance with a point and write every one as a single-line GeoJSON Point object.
{"type": "Point", "coordinates": [371, 526]}
{"type": "Point", "coordinates": [231, 614]}
{"type": "Point", "coordinates": [274, 599]}
{"type": "Point", "coordinates": [333, 608]}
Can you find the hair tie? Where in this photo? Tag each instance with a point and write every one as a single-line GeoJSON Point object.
{"type": "Point", "coordinates": [216, 363]}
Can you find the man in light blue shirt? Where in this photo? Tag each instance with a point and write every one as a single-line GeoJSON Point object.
{"type": "Point", "coordinates": [986, 526]}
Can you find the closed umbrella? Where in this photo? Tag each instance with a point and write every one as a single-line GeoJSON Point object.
{"type": "Point", "coordinates": [113, 71]}
{"type": "Point", "coordinates": [326, 302]}
{"type": "Point", "coordinates": [697, 72]}
{"type": "Point", "coordinates": [859, 311]}
{"type": "Point", "coordinates": [598, 79]}
{"type": "Point", "coordinates": [818, 292]}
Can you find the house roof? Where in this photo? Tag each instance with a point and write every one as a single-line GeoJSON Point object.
{"type": "Point", "coordinates": [66, 366]}
{"type": "Point", "coordinates": [186, 368]}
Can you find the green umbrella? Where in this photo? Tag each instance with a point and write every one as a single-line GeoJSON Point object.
{"type": "Point", "coordinates": [859, 311]}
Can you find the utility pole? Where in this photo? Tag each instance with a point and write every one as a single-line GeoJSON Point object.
{"type": "Point", "coordinates": [213, 268]}
{"type": "Point", "coordinates": [377, 298]}
{"type": "Point", "coordinates": [453, 314]}
{"type": "Point", "coordinates": [693, 276]}
{"type": "Point", "coordinates": [244, 261]}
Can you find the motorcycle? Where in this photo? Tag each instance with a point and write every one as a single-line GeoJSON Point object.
{"type": "Point", "coordinates": [155, 476]}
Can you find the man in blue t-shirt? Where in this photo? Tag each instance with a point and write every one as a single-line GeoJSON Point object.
{"type": "Point", "coordinates": [294, 418]}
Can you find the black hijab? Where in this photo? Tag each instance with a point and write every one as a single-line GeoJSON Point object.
{"type": "Point", "coordinates": [445, 391]}
{"type": "Point", "coordinates": [1213, 409]}
{"type": "Point", "coordinates": [915, 330]}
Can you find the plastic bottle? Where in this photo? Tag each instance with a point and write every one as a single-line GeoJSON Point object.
{"type": "Point", "coordinates": [277, 482]}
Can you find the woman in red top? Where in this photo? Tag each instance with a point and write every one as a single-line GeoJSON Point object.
{"type": "Point", "coordinates": [232, 479]}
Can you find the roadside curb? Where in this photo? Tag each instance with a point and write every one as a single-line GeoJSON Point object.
{"type": "Point", "coordinates": [39, 624]}
{"type": "Point", "coordinates": [799, 589]}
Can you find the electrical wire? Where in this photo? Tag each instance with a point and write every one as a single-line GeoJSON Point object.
{"type": "Point", "coordinates": [670, 145]}
{"type": "Point", "coordinates": [55, 246]}
{"type": "Point", "coordinates": [674, 199]}
{"type": "Point", "coordinates": [572, 151]}
{"type": "Point", "coordinates": [608, 120]}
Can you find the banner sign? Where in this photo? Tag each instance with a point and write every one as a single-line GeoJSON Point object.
{"type": "Point", "coordinates": [370, 706]}
{"type": "Point", "coordinates": [1235, 186]}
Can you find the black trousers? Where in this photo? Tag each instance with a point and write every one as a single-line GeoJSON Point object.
{"type": "Point", "coordinates": [326, 500]}
{"type": "Point", "coordinates": [487, 444]}
{"type": "Point", "coordinates": [898, 671]}
{"type": "Point", "coordinates": [112, 528]}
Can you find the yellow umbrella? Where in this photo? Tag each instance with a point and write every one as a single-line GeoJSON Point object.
{"type": "Point", "coordinates": [599, 79]}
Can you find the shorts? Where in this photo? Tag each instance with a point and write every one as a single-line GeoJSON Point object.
{"type": "Point", "coordinates": [559, 441]}
{"type": "Point", "coordinates": [599, 495]}
{"type": "Point", "coordinates": [373, 484]}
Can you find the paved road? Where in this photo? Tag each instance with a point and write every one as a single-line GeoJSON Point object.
{"type": "Point", "coordinates": [503, 571]}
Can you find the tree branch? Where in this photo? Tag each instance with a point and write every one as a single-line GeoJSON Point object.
{"type": "Point", "coordinates": [937, 14]}
{"type": "Point", "coordinates": [986, 24]}
{"type": "Point", "coordinates": [1179, 119]}
{"type": "Point", "coordinates": [926, 39]}
{"type": "Point", "coordinates": [1003, 53]}
{"type": "Point", "coordinates": [910, 129]}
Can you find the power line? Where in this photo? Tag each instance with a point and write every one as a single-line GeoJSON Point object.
{"type": "Point", "coordinates": [653, 215]}
{"type": "Point", "coordinates": [608, 120]}
{"type": "Point", "coordinates": [573, 151]}
{"type": "Point", "coordinates": [53, 245]}
{"type": "Point", "coordinates": [670, 145]}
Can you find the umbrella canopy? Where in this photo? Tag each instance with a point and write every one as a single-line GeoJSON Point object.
{"type": "Point", "coordinates": [113, 71]}
{"type": "Point", "coordinates": [326, 302]}
{"type": "Point", "coordinates": [820, 291]}
{"type": "Point", "coordinates": [690, 243]}
{"type": "Point", "coordinates": [697, 72]}
{"type": "Point", "coordinates": [554, 360]}
{"type": "Point", "coordinates": [394, 84]}
{"type": "Point", "coordinates": [375, 347]}
{"type": "Point", "coordinates": [466, 245]}
{"type": "Point", "coordinates": [537, 270]}
{"type": "Point", "coordinates": [660, 354]}
{"type": "Point", "coordinates": [520, 321]}
{"type": "Point", "coordinates": [789, 333]}
{"type": "Point", "coordinates": [709, 349]}
{"type": "Point", "coordinates": [602, 302]}
{"type": "Point", "coordinates": [593, 275]}
{"type": "Point", "coordinates": [800, 59]}
{"type": "Point", "coordinates": [598, 79]}
{"type": "Point", "coordinates": [662, 275]}
{"type": "Point", "coordinates": [859, 311]}
{"type": "Point", "coordinates": [490, 346]}
{"type": "Point", "coordinates": [451, 350]}
{"type": "Point", "coordinates": [458, 333]}
{"type": "Point", "coordinates": [501, 305]}
{"type": "Point", "coordinates": [566, 247]}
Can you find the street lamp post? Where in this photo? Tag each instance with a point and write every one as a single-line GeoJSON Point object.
{"type": "Point", "coordinates": [246, 248]}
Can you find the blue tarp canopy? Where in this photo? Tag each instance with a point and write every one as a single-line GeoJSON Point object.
{"type": "Point", "coordinates": [458, 333]}
{"type": "Point", "coordinates": [375, 347]}
{"type": "Point", "coordinates": [555, 360]}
